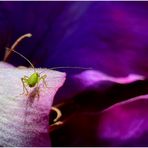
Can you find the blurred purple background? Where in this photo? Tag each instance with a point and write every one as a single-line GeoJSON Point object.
{"type": "Point", "coordinates": [110, 37]}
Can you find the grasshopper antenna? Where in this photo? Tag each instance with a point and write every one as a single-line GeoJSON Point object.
{"type": "Point", "coordinates": [68, 67]}
{"type": "Point", "coordinates": [24, 58]}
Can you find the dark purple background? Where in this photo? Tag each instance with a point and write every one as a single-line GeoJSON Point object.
{"type": "Point", "coordinates": [108, 36]}
{"type": "Point", "coordinates": [111, 37]}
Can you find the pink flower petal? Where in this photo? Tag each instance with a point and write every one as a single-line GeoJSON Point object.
{"type": "Point", "coordinates": [24, 119]}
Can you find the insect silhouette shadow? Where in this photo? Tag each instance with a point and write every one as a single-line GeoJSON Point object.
{"type": "Point", "coordinates": [33, 95]}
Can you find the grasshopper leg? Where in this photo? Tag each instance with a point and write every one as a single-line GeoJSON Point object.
{"type": "Point", "coordinates": [23, 80]}
{"type": "Point", "coordinates": [38, 92]}
{"type": "Point", "coordinates": [43, 78]}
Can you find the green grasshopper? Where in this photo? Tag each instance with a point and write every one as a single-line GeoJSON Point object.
{"type": "Point", "coordinates": [34, 79]}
